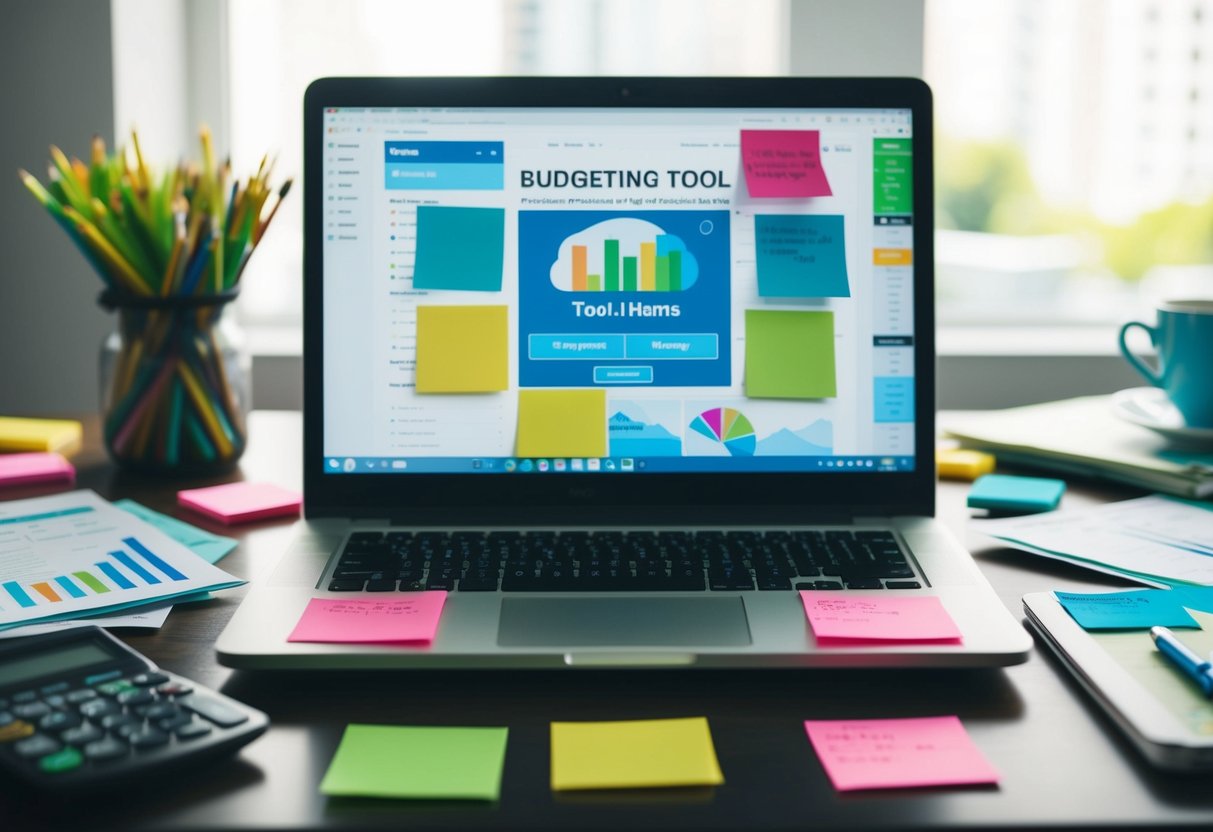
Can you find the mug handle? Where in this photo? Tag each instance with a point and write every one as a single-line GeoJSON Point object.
{"type": "Point", "coordinates": [1155, 378]}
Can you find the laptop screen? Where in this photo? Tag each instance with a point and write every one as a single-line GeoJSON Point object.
{"type": "Point", "coordinates": [575, 290]}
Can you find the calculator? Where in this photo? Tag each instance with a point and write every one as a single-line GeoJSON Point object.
{"type": "Point", "coordinates": [79, 709]}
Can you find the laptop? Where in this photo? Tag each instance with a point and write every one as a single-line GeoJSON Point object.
{"type": "Point", "coordinates": [622, 365]}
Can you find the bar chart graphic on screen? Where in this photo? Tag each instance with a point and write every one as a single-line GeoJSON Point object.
{"type": "Point", "coordinates": [626, 254]}
{"type": "Point", "coordinates": [74, 554]}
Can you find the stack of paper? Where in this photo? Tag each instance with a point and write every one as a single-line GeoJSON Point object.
{"type": "Point", "coordinates": [74, 554]}
{"type": "Point", "coordinates": [1084, 437]}
{"type": "Point", "coordinates": [1158, 541]}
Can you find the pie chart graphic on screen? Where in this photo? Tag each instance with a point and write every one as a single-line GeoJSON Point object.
{"type": "Point", "coordinates": [729, 427]}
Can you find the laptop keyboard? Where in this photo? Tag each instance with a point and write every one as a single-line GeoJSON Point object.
{"type": "Point", "coordinates": [606, 561]}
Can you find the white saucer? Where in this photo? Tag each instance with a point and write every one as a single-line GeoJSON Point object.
{"type": "Point", "coordinates": [1150, 408]}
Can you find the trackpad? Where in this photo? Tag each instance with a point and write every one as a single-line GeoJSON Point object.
{"type": "Point", "coordinates": [623, 622]}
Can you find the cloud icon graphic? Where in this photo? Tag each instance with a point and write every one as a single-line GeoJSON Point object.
{"type": "Point", "coordinates": [672, 266]}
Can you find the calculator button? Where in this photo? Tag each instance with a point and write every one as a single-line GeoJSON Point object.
{"type": "Point", "coordinates": [147, 680]}
{"type": "Point", "coordinates": [77, 697]}
{"type": "Point", "coordinates": [38, 745]}
{"type": "Point", "coordinates": [65, 760]}
{"type": "Point", "coordinates": [58, 687]}
{"type": "Point", "coordinates": [172, 723]}
{"type": "Point", "coordinates": [127, 728]}
{"type": "Point", "coordinates": [34, 710]}
{"type": "Point", "coordinates": [3, 704]}
{"type": "Point", "coordinates": [161, 710]}
{"type": "Point", "coordinates": [84, 734]}
{"type": "Point", "coordinates": [99, 708]}
{"type": "Point", "coordinates": [215, 711]}
{"type": "Point", "coordinates": [136, 696]}
{"type": "Point", "coordinates": [6, 718]}
{"type": "Point", "coordinates": [24, 696]}
{"type": "Point", "coordinates": [115, 687]}
{"type": "Point", "coordinates": [106, 749]}
{"type": "Point", "coordinates": [116, 721]}
{"type": "Point", "coordinates": [59, 721]}
{"type": "Point", "coordinates": [56, 701]}
{"type": "Point", "coordinates": [17, 730]}
{"type": "Point", "coordinates": [174, 689]}
{"type": "Point", "coordinates": [147, 738]}
{"type": "Point", "coordinates": [191, 730]}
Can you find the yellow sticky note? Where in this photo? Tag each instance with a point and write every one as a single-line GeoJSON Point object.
{"type": "Point", "coordinates": [462, 349]}
{"type": "Point", "coordinates": [963, 464]}
{"type": "Point", "coordinates": [51, 435]}
{"type": "Point", "coordinates": [562, 423]}
{"type": "Point", "coordinates": [640, 754]}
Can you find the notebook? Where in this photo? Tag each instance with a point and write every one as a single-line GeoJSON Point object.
{"type": "Point", "coordinates": [622, 366]}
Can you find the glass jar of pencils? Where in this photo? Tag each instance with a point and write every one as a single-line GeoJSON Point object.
{"type": "Point", "coordinates": [175, 384]}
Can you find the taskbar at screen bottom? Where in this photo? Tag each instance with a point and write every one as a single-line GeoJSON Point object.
{"type": "Point", "coordinates": [626, 465]}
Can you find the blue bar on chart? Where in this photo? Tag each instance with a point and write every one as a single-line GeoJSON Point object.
{"type": "Point", "coordinates": [129, 562]}
{"type": "Point", "coordinates": [70, 587]}
{"type": "Point", "coordinates": [15, 590]}
{"type": "Point", "coordinates": [114, 575]}
{"type": "Point", "coordinates": [154, 560]}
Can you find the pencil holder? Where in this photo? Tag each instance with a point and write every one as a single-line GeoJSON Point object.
{"type": "Point", "coordinates": [175, 384]}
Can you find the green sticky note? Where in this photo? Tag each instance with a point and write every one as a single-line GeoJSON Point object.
{"type": "Point", "coordinates": [210, 547]}
{"type": "Point", "coordinates": [462, 349]}
{"type": "Point", "coordinates": [417, 762]}
{"type": "Point", "coordinates": [459, 248]}
{"type": "Point", "coordinates": [789, 354]}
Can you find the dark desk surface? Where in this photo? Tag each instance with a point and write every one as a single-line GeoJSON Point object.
{"type": "Point", "coordinates": [1062, 762]}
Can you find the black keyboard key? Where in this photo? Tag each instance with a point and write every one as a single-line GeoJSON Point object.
{"type": "Point", "coordinates": [804, 585]}
{"type": "Point", "coordinates": [902, 585]}
{"type": "Point", "coordinates": [480, 580]}
{"type": "Point", "coordinates": [381, 585]}
{"type": "Point", "coordinates": [725, 581]}
{"type": "Point", "coordinates": [446, 582]}
{"type": "Point", "coordinates": [364, 538]}
{"type": "Point", "coordinates": [412, 586]}
{"type": "Point", "coordinates": [864, 583]}
{"type": "Point", "coordinates": [826, 585]}
{"type": "Point", "coordinates": [770, 583]}
{"type": "Point", "coordinates": [346, 586]}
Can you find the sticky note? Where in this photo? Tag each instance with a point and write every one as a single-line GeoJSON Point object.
{"type": "Point", "coordinates": [638, 754]}
{"type": "Point", "coordinates": [209, 547]}
{"type": "Point", "coordinates": [459, 248]}
{"type": "Point", "coordinates": [789, 354]}
{"type": "Point", "coordinates": [801, 256]}
{"type": "Point", "coordinates": [783, 164]}
{"type": "Point", "coordinates": [462, 349]}
{"type": "Point", "coordinates": [26, 469]}
{"type": "Point", "coordinates": [1195, 597]}
{"type": "Point", "coordinates": [417, 762]}
{"type": "Point", "coordinates": [1024, 495]}
{"type": "Point", "coordinates": [843, 618]}
{"type": "Point", "coordinates": [562, 423]}
{"type": "Point", "coordinates": [412, 617]}
{"type": "Point", "coordinates": [242, 502]}
{"type": "Point", "coordinates": [53, 435]}
{"type": "Point", "coordinates": [898, 753]}
{"type": "Point", "coordinates": [963, 464]}
{"type": "Point", "coordinates": [1134, 610]}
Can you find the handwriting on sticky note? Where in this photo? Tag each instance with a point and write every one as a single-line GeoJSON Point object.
{"type": "Point", "coordinates": [562, 423]}
{"type": "Point", "coordinates": [898, 753]}
{"type": "Point", "coordinates": [801, 256]}
{"type": "Point", "coordinates": [783, 164]}
{"type": "Point", "coordinates": [411, 618]}
{"type": "Point", "coordinates": [851, 619]}
{"type": "Point", "coordinates": [462, 349]}
{"type": "Point", "coordinates": [1136, 610]}
{"type": "Point", "coordinates": [459, 248]}
{"type": "Point", "coordinates": [634, 754]}
{"type": "Point", "coordinates": [789, 354]}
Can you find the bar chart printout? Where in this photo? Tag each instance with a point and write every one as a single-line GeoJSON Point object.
{"type": "Point", "coordinates": [74, 554]}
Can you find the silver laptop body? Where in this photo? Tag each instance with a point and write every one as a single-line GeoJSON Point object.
{"type": "Point", "coordinates": [622, 365]}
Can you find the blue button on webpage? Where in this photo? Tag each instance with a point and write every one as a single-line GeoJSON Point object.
{"type": "Point", "coordinates": [623, 375]}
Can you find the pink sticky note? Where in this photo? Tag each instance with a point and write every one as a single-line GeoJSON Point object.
{"type": "Point", "coordinates": [23, 469]}
{"type": "Point", "coordinates": [402, 618]}
{"type": "Point", "coordinates": [898, 753]}
{"type": "Point", "coordinates": [240, 502]}
{"type": "Point", "coordinates": [842, 618]}
{"type": "Point", "coordinates": [783, 164]}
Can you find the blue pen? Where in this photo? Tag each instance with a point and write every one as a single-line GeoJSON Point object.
{"type": "Point", "coordinates": [1192, 665]}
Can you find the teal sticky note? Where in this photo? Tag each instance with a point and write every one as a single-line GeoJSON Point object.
{"type": "Point", "coordinates": [1195, 597]}
{"type": "Point", "coordinates": [1133, 610]}
{"type": "Point", "coordinates": [459, 248]}
{"type": "Point", "coordinates": [1023, 495]}
{"type": "Point", "coordinates": [801, 256]}
{"type": "Point", "coordinates": [210, 547]}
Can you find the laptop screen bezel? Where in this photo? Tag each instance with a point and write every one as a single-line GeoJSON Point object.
{"type": "Point", "coordinates": [674, 497]}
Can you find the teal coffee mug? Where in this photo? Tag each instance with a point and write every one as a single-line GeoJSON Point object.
{"type": "Point", "coordinates": [1183, 338]}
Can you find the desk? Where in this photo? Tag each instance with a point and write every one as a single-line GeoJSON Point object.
{"type": "Point", "coordinates": [1062, 762]}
